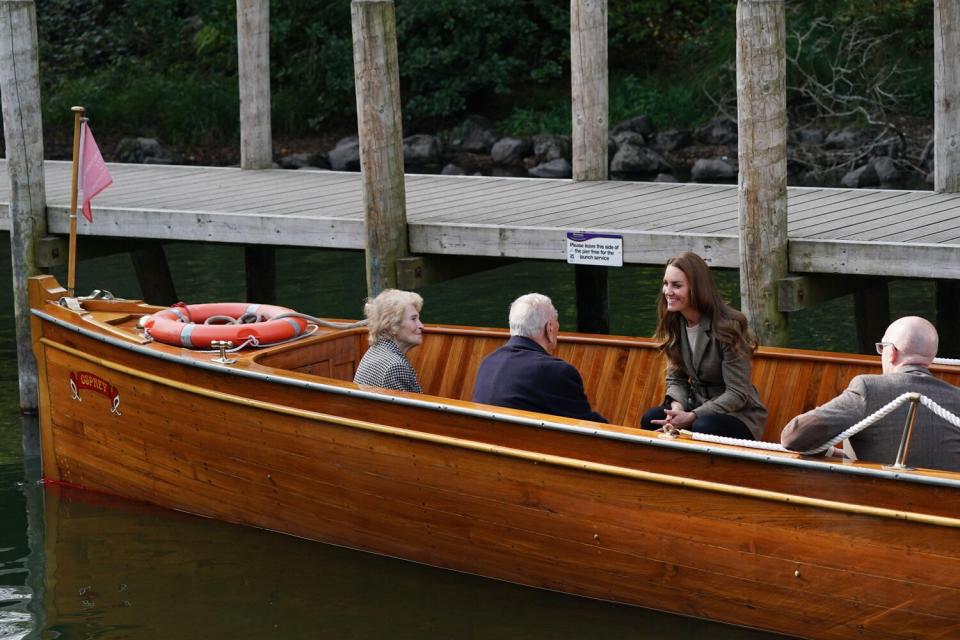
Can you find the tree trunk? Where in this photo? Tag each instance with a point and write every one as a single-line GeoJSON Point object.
{"type": "Point", "coordinates": [377, 77]}
{"type": "Point", "coordinates": [23, 133]}
{"type": "Point", "coordinates": [762, 129]}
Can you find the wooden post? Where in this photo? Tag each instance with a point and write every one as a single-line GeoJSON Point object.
{"type": "Point", "coordinates": [589, 91]}
{"type": "Point", "coordinates": [253, 58]}
{"type": "Point", "coordinates": [948, 317]}
{"type": "Point", "coordinates": [260, 262]}
{"type": "Point", "coordinates": [377, 77]}
{"type": "Point", "coordinates": [23, 134]}
{"type": "Point", "coordinates": [871, 310]}
{"type": "Point", "coordinates": [946, 90]}
{"type": "Point", "coordinates": [762, 153]}
{"type": "Point", "coordinates": [153, 274]}
{"type": "Point", "coordinates": [588, 79]}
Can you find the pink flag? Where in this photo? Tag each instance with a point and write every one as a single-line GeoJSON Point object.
{"type": "Point", "coordinates": [94, 176]}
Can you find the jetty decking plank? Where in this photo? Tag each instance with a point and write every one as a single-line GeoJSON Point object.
{"type": "Point", "coordinates": [852, 231]}
{"type": "Point", "coordinates": [881, 224]}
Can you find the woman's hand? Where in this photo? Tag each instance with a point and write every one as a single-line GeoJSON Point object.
{"type": "Point", "coordinates": [677, 418]}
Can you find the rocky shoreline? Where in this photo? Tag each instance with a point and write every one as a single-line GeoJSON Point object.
{"type": "Point", "coordinates": [853, 157]}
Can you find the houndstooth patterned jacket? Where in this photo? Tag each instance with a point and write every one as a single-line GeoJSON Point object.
{"type": "Point", "coordinates": [384, 365]}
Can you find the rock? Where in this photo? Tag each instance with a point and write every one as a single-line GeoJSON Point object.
{"type": "Point", "coordinates": [639, 124]}
{"type": "Point", "coordinates": [810, 136]}
{"type": "Point", "coordinates": [512, 171]}
{"type": "Point", "coordinates": [865, 176]}
{"type": "Point", "coordinates": [672, 140]}
{"type": "Point", "coordinates": [711, 169]}
{"type": "Point", "coordinates": [551, 147]}
{"type": "Point", "coordinates": [629, 137]}
{"type": "Point", "coordinates": [556, 168]}
{"type": "Point", "coordinates": [720, 130]}
{"type": "Point", "coordinates": [296, 161]}
{"type": "Point", "coordinates": [846, 138]}
{"type": "Point", "coordinates": [510, 150]}
{"type": "Point", "coordinates": [886, 168]}
{"type": "Point", "coordinates": [821, 178]}
{"type": "Point", "coordinates": [477, 135]}
{"type": "Point", "coordinates": [420, 150]}
{"type": "Point", "coordinates": [665, 177]}
{"type": "Point", "coordinates": [346, 155]}
{"type": "Point", "coordinates": [634, 159]}
{"type": "Point", "coordinates": [453, 170]}
{"type": "Point", "coordinates": [142, 151]}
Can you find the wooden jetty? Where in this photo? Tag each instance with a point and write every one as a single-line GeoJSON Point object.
{"type": "Point", "coordinates": [832, 231]}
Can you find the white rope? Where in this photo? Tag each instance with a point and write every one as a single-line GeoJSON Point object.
{"type": "Point", "coordinates": [870, 420]}
{"type": "Point", "coordinates": [940, 411]}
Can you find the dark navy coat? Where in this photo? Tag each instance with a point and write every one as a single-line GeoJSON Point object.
{"type": "Point", "coordinates": [521, 375]}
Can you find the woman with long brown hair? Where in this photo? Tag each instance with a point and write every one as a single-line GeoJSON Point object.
{"type": "Point", "coordinates": [708, 347]}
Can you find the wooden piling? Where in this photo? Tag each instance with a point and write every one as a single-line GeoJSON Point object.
{"type": "Point", "coordinates": [23, 134]}
{"type": "Point", "coordinates": [589, 91]}
{"type": "Point", "coordinates": [260, 262]}
{"type": "Point", "coordinates": [946, 90]}
{"type": "Point", "coordinates": [590, 97]}
{"type": "Point", "coordinates": [762, 153]}
{"type": "Point", "coordinates": [871, 311]}
{"type": "Point", "coordinates": [253, 61]}
{"type": "Point", "coordinates": [153, 274]}
{"type": "Point", "coordinates": [948, 317]}
{"type": "Point", "coordinates": [377, 78]}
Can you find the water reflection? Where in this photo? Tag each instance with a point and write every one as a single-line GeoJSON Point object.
{"type": "Point", "coordinates": [116, 569]}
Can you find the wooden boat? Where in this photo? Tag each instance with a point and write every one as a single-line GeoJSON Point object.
{"type": "Point", "coordinates": [281, 439]}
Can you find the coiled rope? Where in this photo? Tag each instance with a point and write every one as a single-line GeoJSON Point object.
{"type": "Point", "coordinates": [870, 420]}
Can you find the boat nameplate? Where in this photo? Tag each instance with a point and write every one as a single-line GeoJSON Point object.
{"type": "Point", "coordinates": [86, 380]}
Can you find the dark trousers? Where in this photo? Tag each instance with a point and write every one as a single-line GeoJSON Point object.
{"type": "Point", "coordinates": [718, 424]}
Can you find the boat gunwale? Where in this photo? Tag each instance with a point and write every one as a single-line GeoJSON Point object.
{"type": "Point", "coordinates": [292, 379]}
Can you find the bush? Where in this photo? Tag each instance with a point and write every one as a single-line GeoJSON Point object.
{"type": "Point", "coordinates": [170, 65]}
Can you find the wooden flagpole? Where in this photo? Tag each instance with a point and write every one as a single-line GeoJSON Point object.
{"type": "Point", "coordinates": [72, 253]}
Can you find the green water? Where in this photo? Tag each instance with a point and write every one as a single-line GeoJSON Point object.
{"type": "Point", "coordinates": [75, 565]}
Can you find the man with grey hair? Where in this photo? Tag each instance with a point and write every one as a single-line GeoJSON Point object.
{"type": "Point", "coordinates": [523, 375]}
{"type": "Point", "coordinates": [906, 351]}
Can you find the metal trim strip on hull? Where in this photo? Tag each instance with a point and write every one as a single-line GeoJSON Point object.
{"type": "Point", "coordinates": [521, 454]}
{"type": "Point", "coordinates": [500, 417]}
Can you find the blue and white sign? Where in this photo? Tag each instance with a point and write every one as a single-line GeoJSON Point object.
{"type": "Point", "coordinates": [600, 249]}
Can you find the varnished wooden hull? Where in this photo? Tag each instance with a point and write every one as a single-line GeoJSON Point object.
{"type": "Point", "coordinates": [765, 540]}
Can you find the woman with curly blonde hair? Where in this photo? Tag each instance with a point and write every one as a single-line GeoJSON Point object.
{"type": "Point", "coordinates": [708, 348]}
{"type": "Point", "coordinates": [395, 328]}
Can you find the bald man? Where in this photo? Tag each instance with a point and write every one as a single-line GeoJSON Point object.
{"type": "Point", "coordinates": [906, 351]}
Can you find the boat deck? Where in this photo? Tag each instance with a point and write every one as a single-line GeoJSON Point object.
{"type": "Point", "coordinates": [847, 231]}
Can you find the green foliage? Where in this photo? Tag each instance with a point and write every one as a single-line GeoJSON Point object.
{"type": "Point", "coordinates": [177, 110]}
{"type": "Point", "coordinates": [170, 65]}
{"type": "Point", "coordinates": [530, 121]}
{"type": "Point", "coordinates": [668, 104]}
{"type": "Point", "coordinates": [453, 50]}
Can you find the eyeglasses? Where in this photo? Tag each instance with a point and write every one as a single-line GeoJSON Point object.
{"type": "Point", "coordinates": [881, 345]}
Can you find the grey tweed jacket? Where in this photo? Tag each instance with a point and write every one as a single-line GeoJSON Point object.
{"type": "Point", "coordinates": [716, 379]}
{"type": "Point", "coordinates": [935, 443]}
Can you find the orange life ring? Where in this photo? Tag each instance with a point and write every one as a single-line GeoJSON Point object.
{"type": "Point", "coordinates": [183, 325]}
